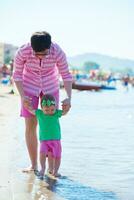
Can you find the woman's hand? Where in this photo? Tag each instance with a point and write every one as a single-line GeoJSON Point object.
{"type": "Point", "coordinates": [26, 101]}
{"type": "Point", "coordinates": [66, 105]}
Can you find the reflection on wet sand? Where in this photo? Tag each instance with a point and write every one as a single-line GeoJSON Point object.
{"type": "Point", "coordinates": [48, 189]}
{"type": "Point", "coordinates": [29, 187]}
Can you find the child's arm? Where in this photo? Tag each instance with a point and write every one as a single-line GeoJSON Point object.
{"type": "Point", "coordinates": [60, 113]}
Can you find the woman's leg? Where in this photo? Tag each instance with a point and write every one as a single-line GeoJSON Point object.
{"type": "Point", "coordinates": [31, 141]}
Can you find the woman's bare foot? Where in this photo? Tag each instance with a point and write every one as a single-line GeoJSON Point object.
{"type": "Point", "coordinates": [29, 169]}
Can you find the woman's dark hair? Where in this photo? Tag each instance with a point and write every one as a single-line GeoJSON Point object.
{"type": "Point", "coordinates": [40, 41]}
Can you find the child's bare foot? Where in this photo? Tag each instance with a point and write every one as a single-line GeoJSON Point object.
{"type": "Point", "coordinates": [50, 175]}
{"type": "Point", "coordinates": [41, 175]}
{"type": "Point", "coordinates": [57, 175]}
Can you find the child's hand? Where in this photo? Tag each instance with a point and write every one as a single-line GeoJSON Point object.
{"type": "Point", "coordinates": [66, 105]}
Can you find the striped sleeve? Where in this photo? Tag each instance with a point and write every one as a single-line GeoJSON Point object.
{"type": "Point", "coordinates": [19, 61]}
{"type": "Point", "coordinates": [62, 65]}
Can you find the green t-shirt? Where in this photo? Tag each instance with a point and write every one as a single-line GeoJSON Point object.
{"type": "Point", "coordinates": [49, 126]}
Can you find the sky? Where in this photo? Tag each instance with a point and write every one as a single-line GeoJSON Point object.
{"type": "Point", "coordinates": [78, 26]}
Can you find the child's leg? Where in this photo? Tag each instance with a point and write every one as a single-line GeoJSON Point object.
{"type": "Point", "coordinates": [54, 157]}
{"type": "Point", "coordinates": [56, 166]}
{"type": "Point", "coordinates": [50, 163]}
{"type": "Point", "coordinates": [42, 163]}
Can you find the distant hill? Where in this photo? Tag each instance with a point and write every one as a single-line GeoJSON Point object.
{"type": "Point", "coordinates": [105, 62]}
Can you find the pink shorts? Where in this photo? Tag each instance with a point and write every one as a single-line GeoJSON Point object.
{"type": "Point", "coordinates": [51, 146]}
{"type": "Point", "coordinates": [35, 102]}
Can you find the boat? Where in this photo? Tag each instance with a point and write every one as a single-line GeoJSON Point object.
{"type": "Point", "coordinates": [86, 86]}
{"type": "Point", "coordinates": [91, 86]}
{"type": "Point", "coordinates": [108, 87]}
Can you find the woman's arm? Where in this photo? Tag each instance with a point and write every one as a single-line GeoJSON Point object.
{"type": "Point", "coordinates": [68, 89]}
{"type": "Point", "coordinates": [66, 103]}
{"type": "Point", "coordinates": [19, 61]}
{"type": "Point", "coordinates": [20, 88]}
{"type": "Point", "coordinates": [25, 99]}
{"type": "Point", "coordinates": [63, 68]}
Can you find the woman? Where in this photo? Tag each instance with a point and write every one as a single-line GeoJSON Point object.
{"type": "Point", "coordinates": [37, 66]}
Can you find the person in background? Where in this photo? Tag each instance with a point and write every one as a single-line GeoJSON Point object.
{"type": "Point", "coordinates": [37, 66]}
{"type": "Point", "coordinates": [11, 77]}
{"type": "Point", "coordinates": [49, 134]}
{"type": "Point", "coordinates": [4, 71]}
{"type": "Point", "coordinates": [126, 81]}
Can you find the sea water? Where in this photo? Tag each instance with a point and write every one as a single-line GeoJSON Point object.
{"type": "Point", "coordinates": [98, 146]}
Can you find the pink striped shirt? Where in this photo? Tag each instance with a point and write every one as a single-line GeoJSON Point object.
{"type": "Point", "coordinates": [40, 74]}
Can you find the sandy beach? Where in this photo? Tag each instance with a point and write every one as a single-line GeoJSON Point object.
{"type": "Point", "coordinates": [5, 111]}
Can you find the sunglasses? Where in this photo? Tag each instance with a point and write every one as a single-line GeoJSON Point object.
{"type": "Point", "coordinates": [43, 53]}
